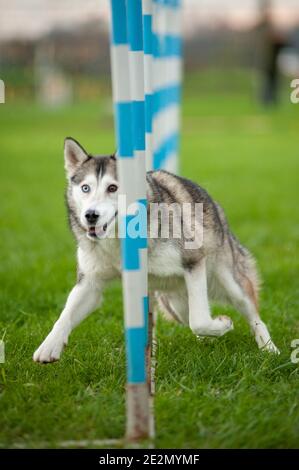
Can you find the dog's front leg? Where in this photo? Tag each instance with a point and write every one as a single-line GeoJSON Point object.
{"type": "Point", "coordinates": [82, 300]}
{"type": "Point", "coordinates": [200, 320]}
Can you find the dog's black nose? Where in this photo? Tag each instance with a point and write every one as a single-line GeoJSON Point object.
{"type": "Point", "coordinates": [92, 216]}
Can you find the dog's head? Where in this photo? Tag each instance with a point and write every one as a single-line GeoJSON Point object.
{"type": "Point", "coordinates": [93, 189]}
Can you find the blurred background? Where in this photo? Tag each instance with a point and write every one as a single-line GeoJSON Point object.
{"type": "Point", "coordinates": [239, 140]}
{"type": "Point", "coordinates": [57, 51]}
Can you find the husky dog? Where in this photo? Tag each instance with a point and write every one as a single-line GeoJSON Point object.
{"type": "Point", "coordinates": [181, 281]}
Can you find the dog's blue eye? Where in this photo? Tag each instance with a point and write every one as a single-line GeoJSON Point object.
{"type": "Point", "coordinates": [85, 188]}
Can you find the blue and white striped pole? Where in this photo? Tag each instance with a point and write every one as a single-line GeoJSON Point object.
{"type": "Point", "coordinates": [139, 395]}
{"type": "Point", "coordinates": [167, 76]}
{"type": "Point", "coordinates": [147, 10]}
{"type": "Point", "coordinates": [128, 92]}
{"type": "Point", "coordinates": [146, 78]}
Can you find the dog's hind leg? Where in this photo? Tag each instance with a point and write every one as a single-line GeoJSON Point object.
{"type": "Point", "coordinates": [82, 300]}
{"type": "Point", "coordinates": [200, 320]}
{"type": "Point", "coordinates": [242, 294]}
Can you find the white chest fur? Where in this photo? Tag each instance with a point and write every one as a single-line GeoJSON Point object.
{"type": "Point", "coordinates": [102, 260]}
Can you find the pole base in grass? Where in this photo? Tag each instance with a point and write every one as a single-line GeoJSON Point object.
{"type": "Point", "coordinates": [138, 412]}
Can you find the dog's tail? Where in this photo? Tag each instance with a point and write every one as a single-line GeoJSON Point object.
{"type": "Point", "coordinates": [247, 275]}
{"type": "Point", "coordinates": [165, 308]}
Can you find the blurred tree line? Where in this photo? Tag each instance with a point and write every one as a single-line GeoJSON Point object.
{"type": "Point", "coordinates": [82, 55]}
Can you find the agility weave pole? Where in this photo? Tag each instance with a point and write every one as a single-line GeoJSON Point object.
{"type": "Point", "coordinates": [146, 77]}
{"type": "Point", "coordinates": [166, 79]}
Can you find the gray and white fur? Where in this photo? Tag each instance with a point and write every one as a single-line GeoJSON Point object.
{"type": "Point", "coordinates": [182, 282]}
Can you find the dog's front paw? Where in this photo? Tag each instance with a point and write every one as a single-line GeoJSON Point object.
{"type": "Point", "coordinates": [51, 348]}
{"type": "Point", "coordinates": [215, 327]}
{"type": "Point", "coordinates": [224, 324]}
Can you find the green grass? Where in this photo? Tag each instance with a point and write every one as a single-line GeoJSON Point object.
{"type": "Point", "coordinates": [216, 393]}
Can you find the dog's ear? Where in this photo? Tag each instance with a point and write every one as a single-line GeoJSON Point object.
{"type": "Point", "coordinates": [74, 155]}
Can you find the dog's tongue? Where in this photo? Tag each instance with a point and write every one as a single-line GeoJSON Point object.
{"type": "Point", "coordinates": [92, 231]}
{"type": "Point", "coordinates": [97, 231]}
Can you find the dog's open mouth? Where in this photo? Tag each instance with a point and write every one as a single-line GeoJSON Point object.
{"type": "Point", "coordinates": [92, 232]}
{"type": "Point", "coordinates": [98, 231]}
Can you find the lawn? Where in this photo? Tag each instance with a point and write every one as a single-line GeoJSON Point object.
{"type": "Point", "coordinates": [215, 393]}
